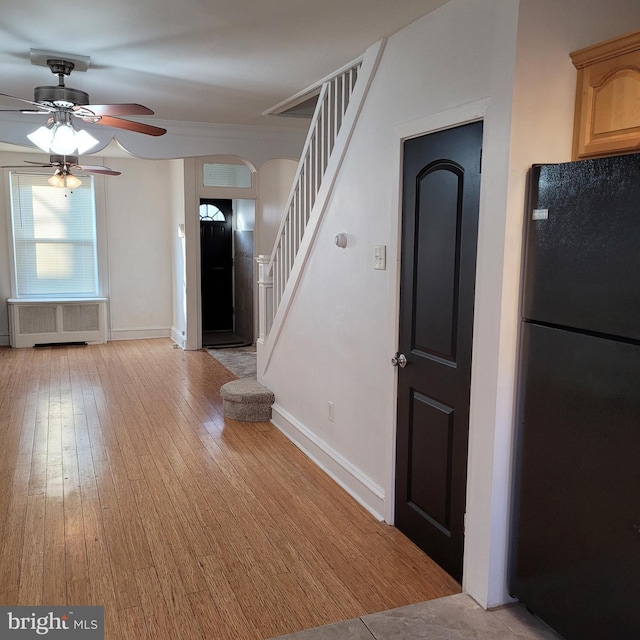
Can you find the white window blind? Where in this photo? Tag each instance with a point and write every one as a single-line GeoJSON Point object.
{"type": "Point", "coordinates": [54, 237]}
{"type": "Point", "coordinates": [226, 175]}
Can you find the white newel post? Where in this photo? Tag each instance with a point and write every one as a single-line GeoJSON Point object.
{"type": "Point", "coordinates": [265, 297]}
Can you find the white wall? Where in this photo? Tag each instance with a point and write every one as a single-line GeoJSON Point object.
{"type": "Point", "coordinates": [244, 215]}
{"type": "Point", "coordinates": [275, 178]}
{"type": "Point", "coordinates": [137, 219]}
{"type": "Point", "coordinates": [342, 328]}
{"type": "Point", "coordinates": [139, 235]}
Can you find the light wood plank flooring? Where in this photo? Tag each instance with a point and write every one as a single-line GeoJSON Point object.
{"type": "Point", "coordinates": [122, 485]}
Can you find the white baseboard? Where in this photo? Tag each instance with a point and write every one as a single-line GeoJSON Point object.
{"type": "Point", "coordinates": [349, 477]}
{"type": "Point", "coordinates": [4, 341]}
{"type": "Point", "coordinates": [139, 334]}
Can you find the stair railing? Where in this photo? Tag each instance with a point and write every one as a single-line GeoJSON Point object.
{"type": "Point", "coordinates": [341, 97]}
{"type": "Point", "coordinates": [331, 106]}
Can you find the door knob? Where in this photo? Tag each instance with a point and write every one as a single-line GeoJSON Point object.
{"type": "Point", "coordinates": [399, 360]}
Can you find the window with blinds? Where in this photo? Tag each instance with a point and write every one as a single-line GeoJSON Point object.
{"type": "Point", "coordinates": [54, 237]}
{"type": "Point", "coordinates": [226, 175]}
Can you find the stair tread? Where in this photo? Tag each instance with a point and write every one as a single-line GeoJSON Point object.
{"type": "Point", "coordinates": [247, 390]}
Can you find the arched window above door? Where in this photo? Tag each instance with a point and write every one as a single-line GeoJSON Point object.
{"type": "Point", "coordinates": [211, 212]}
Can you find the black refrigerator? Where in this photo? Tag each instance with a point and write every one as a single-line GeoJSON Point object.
{"type": "Point", "coordinates": [575, 543]}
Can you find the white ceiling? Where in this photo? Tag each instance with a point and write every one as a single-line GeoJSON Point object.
{"type": "Point", "coordinates": [205, 61]}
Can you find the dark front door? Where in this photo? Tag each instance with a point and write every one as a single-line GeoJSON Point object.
{"type": "Point", "coordinates": [216, 265]}
{"type": "Point", "coordinates": [441, 190]}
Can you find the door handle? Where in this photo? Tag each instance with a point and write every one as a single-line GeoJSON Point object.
{"type": "Point", "coordinates": [399, 360]}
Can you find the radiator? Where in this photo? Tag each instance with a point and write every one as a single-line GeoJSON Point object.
{"type": "Point", "coordinates": [35, 322]}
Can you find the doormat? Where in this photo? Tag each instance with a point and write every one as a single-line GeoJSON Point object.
{"type": "Point", "coordinates": [241, 362]}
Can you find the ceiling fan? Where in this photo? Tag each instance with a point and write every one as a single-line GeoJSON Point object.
{"type": "Point", "coordinates": [62, 176]}
{"type": "Point", "coordinates": [62, 104]}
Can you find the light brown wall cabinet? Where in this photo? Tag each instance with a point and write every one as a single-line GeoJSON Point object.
{"type": "Point", "coordinates": [607, 119]}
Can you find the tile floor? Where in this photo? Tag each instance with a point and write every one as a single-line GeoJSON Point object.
{"type": "Point", "coordinates": [455, 617]}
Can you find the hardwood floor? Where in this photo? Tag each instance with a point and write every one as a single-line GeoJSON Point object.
{"type": "Point", "coordinates": [122, 485]}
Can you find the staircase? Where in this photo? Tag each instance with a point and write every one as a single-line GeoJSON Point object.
{"type": "Point", "coordinates": [340, 99]}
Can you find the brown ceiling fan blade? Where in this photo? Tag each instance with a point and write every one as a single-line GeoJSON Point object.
{"type": "Point", "coordinates": [139, 127]}
{"type": "Point", "coordinates": [116, 109]}
{"type": "Point", "coordinates": [96, 168]}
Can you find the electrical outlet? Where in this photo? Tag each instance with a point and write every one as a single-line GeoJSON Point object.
{"type": "Point", "coordinates": [380, 257]}
{"type": "Point", "coordinates": [330, 411]}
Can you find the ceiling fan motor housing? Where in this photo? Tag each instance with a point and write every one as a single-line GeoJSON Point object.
{"type": "Point", "coordinates": [65, 97]}
{"type": "Point", "coordinates": [62, 160]}
{"type": "Point", "coordinates": [61, 96]}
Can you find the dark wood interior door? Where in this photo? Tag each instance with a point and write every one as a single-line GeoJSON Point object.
{"type": "Point", "coordinates": [216, 270]}
{"type": "Point", "coordinates": [441, 191]}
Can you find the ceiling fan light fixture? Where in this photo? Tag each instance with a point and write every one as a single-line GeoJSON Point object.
{"type": "Point", "coordinates": [72, 182]}
{"type": "Point", "coordinates": [61, 137]}
{"type": "Point", "coordinates": [63, 140]}
{"type": "Point", "coordinates": [41, 138]}
{"type": "Point", "coordinates": [63, 179]}
{"type": "Point", "coordinates": [57, 179]}
{"type": "Point", "coordinates": [84, 141]}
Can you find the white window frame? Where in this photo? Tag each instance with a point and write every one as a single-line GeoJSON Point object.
{"type": "Point", "coordinates": [99, 189]}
